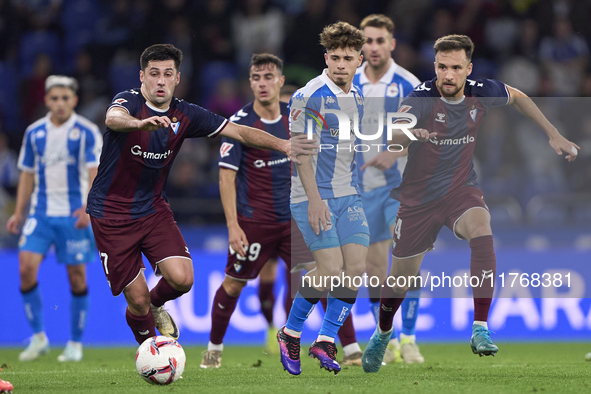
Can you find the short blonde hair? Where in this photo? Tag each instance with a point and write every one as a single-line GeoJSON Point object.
{"type": "Point", "coordinates": [378, 21]}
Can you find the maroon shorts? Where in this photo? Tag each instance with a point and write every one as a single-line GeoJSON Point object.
{"type": "Point", "coordinates": [265, 241]}
{"type": "Point", "coordinates": [416, 228]}
{"type": "Point", "coordinates": [300, 254]}
{"type": "Point", "coordinates": [122, 242]}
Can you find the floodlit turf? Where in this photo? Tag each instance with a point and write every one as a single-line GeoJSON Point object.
{"type": "Point", "coordinates": [518, 368]}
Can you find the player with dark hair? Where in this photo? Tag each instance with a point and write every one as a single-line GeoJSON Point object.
{"type": "Point", "coordinates": [325, 199]}
{"type": "Point", "coordinates": [129, 211]}
{"type": "Point", "coordinates": [58, 160]}
{"type": "Point", "coordinates": [439, 183]}
{"type": "Point", "coordinates": [254, 188]}
{"type": "Point", "coordinates": [384, 84]}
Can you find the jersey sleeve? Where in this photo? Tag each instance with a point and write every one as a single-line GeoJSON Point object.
{"type": "Point", "coordinates": [94, 145]}
{"type": "Point", "coordinates": [416, 103]}
{"type": "Point", "coordinates": [300, 110]}
{"type": "Point", "coordinates": [129, 100]}
{"type": "Point", "coordinates": [491, 92]}
{"type": "Point", "coordinates": [26, 157]}
{"type": "Point", "coordinates": [204, 123]}
{"type": "Point", "coordinates": [230, 154]}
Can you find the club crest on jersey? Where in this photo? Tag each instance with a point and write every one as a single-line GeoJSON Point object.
{"type": "Point", "coordinates": [358, 98]}
{"type": "Point", "coordinates": [225, 149]}
{"type": "Point", "coordinates": [440, 117]}
{"type": "Point", "coordinates": [119, 101]}
{"type": "Point", "coordinates": [74, 134]}
{"type": "Point", "coordinates": [237, 267]}
{"type": "Point", "coordinates": [473, 113]}
{"type": "Point", "coordinates": [392, 90]}
{"type": "Point", "coordinates": [175, 126]}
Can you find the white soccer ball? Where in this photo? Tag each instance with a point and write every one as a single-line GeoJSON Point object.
{"type": "Point", "coordinates": [160, 360]}
{"type": "Point", "coordinates": [588, 356]}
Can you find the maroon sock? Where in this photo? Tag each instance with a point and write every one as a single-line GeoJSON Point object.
{"type": "Point", "coordinates": [389, 304]}
{"type": "Point", "coordinates": [143, 327]}
{"type": "Point", "coordinates": [347, 332]}
{"type": "Point", "coordinates": [484, 266]}
{"type": "Point", "coordinates": [163, 292]}
{"type": "Point", "coordinates": [267, 299]}
{"type": "Point", "coordinates": [221, 311]}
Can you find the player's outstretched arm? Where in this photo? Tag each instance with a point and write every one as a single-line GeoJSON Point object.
{"type": "Point", "coordinates": [24, 190]}
{"type": "Point", "coordinates": [318, 212]}
{"type": "Point", "coordinates": [118, 119]}
{"type": "Point", "coordinates": [236, 235]}
{"type": "Point", "coordinates": [522, 103]}
{"type": "Point", "coordinates": [401, 136]}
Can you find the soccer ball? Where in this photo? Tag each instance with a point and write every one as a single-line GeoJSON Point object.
{"type": "Point", "coordinates": [160, 360]}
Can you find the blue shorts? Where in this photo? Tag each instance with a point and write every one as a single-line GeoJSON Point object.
{"type": "Point", "coordinates": [72, 246]}
{"type": "Point", "coordinates": [349, 224]}
{"type": "Point", "coordinates": [381, 211]}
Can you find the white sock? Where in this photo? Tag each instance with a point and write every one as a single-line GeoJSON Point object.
{"type": "Point", "coordinates": [351, 349]}
{"type": "Point", "coordinates": [324, 338]}
{"type": "Point", "coordinates": [384, 332]}
{"type": "Point", "coordinates": [411, 338]}
{"type": "Point", "coordinates": [295, 334]}
{"type": "Point", "coordinates": [481, 323]}
{"type": "Point", "coordinates": [213, 347]}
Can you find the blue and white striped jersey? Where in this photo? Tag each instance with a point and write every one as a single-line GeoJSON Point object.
{"type": "Point", "coordinates": [381, 98]}
{"type": "Point", "coordinates": [60, 157]}
{"type": "Point", "coordinates": [334, 166]}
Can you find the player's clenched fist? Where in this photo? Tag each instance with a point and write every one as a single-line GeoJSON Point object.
{"type": "Point", "coordinates": [154, 123]}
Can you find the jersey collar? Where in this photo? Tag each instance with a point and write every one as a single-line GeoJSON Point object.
{"type": "Point", "coordinates": [157, 109]}
{"type": "Point", "coordinates": [386, 78]}
{"type": "Point", "coordinates": [68, 124]}
{"type": "Point", "coordinates": [333, 87]}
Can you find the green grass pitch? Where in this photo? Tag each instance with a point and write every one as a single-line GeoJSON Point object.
{"type": "Point", "coordinates": [449, 368]}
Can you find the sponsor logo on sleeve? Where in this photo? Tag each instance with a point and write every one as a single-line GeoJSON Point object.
{"type": "Point", "coordinates": [225, 149]}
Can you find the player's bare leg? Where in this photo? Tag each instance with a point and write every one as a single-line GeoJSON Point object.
{"type": "Point", "coordinates": [223, 306]}
{"type": "Point", "coordinates": [78, 313]}
{"type": "Point", "coordinates": [29, 263]}
{"type": "Point", "coordinates": [474, 226]}
{"type": "Point", "coordinates": [139, 314]}
{"type": "Point", "coordinates": [391, 299]}
{"type": "Point", "coordinates": [177, 279]}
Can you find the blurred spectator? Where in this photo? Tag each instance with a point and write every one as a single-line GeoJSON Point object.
{"type": "Point", "coordinates": [34, 106]}
{"type": "Point", "coordinates": [257, 27]}
{"type": "Point", "coordinates": [225, 100]}
{"type": "Point", "coordinates": [214, 31]}
{"type": "Point", "coordinates": [37, 14]}
{"type": "Point", "coordinates": [10, 31]}
{"type": "Point", "coordinates": [566, 56]}
{"type": "Point", "coordinates": [9, 172]}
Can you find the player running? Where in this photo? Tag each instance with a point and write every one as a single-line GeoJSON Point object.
{"type": "Point", "coordinates": [58, 160]}
{"type": "Point", "coordinates": [254, 188]}
{"type": "Point", "coordinates": [384, 85]}
{"type": "Point", "coordinates": [129, 211]}
{"type": "Point", "coordinates": [439, 183]}
{"type": "Point", "coordinates": [324, 197]}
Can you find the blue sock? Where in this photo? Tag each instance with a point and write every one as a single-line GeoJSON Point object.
{"type": "Point", "coordinates": [410, 311]}
{"type": "Point", "coordinates": [78, 315]}
{"type": "Point", "coordinates": [336, 313]}
{"type": "Point", "coordinates": [33, 308]}
{"type": "Point", "coordinates": [375, 309]}
{"type": "Point", "coordinates": [300, 310]}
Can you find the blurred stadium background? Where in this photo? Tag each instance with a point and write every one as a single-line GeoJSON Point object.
{"type": "Point", "coordinates": [541, 205]}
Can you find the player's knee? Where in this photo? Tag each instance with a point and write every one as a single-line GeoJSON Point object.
{"type": "Point", "coordinates": [233, 287]}
{"type": "Point", "coordinates": [183, 284]}
{"type": "Point", "coordinates": [331, 271]}
{"type": "Point", "coordinates": [479, 230]}
{"type": "Point", "coordinates": [27, 273]}
{"type": "Point", "coordinates": [356, 270]}
{"type": "Point", "coordinates": [139, 304]}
